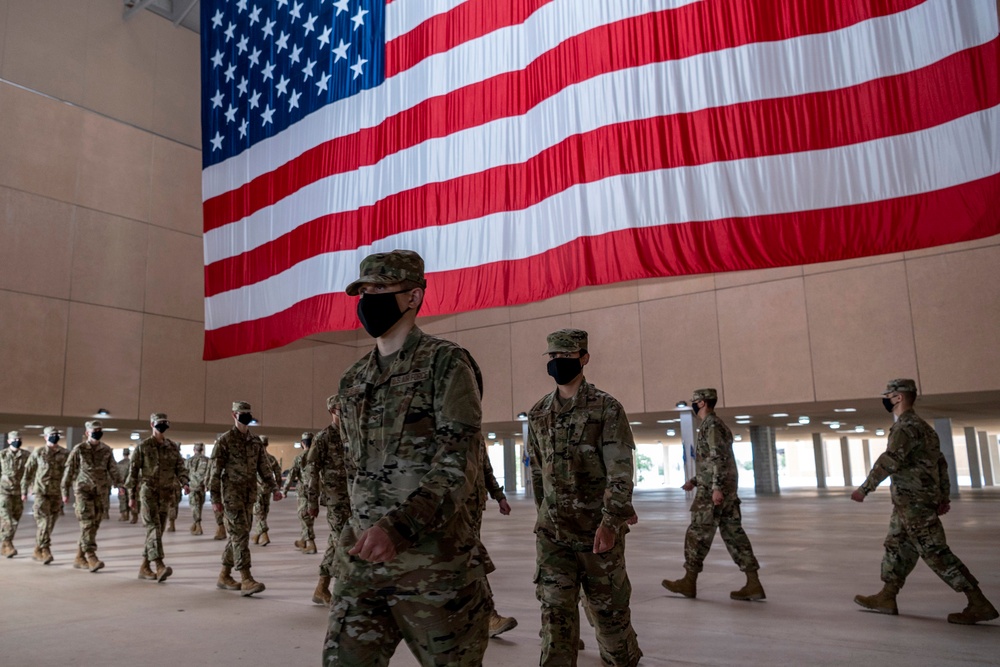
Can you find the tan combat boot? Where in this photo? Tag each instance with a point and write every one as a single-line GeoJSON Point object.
{"type": "Point", "coordinates": [300, 545]}
{"type": "Point", "coordinates": [135, 517]}
{"type": "Point", "coordinates": [93, 563]}
{"type": "Point", "coordinates": [249, 586]}
{"type": "Point", "coordinates": [226, 581]}
{"type": "Point", "coordinates": [751, 591]}
{"type": "Point", "coordinates": [501, 624]}
{"type": "Point", "coordinates": [254, 537]}
{"type": "Point", "coordinates": [884, 602]}
{"type": "Point", "coordinates": [123, 516]}
{"type": "Point", "coordinates": [264, 540]}
{"type": "Point", "coordinates": [46, 556]}
{"type": "Point", "coordinates": [37, 555]}
{"type": "Point", "coordinates": [171, 526]}
{"type": "Point", "coordinates": [7, 549]}
{"type": "Point", "coordinates": [162, 571]}
{"type": "Point", "coordinates": [145, 572]}
{"type": "Point", "coordinates": [310, 547]}
{"type": "Point", "coordinates": [220, 532]}
{"type": "Point", "coordinates": [322, 593]}
{"type": "Point", "coordinates": [79, 562]}
{"type": "Point", "coordinates": [688, 586]}
{"type": "Point", "coordinates": [979, 609]}
{"type": "Point", "coordinates": [197, 528]}
{"type": "Point", "coordinates": [194, 527]}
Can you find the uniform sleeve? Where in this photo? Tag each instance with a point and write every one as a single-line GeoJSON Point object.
{"type": "Point", "coordinates": [181, 469]}
{"type": "Point", "coordinates": [535, 467]}
{"type": "Point", "coordinates": [331, 473]}
{"type": "Point", "coordinates": [716, 456]}
{"type": "Point", "coordinates": [901, 444]}
{"type": "Point", "coordinates": [29, 472]}
{"type": "Point", "coordinates": [266, 473]}
{"type": "Point", "coordinates": [72, 468]}
{"type": "Point", "coordinates": [445, 487]}
{"type": "Point", "coordinates": [944, 480]}
{"type": "Point", "coordinates": [134, 471]}
{"type": "Point", "coordinates": [220, 457]}
{"type": "Point", "coordinates": [294, 475]}
{"type": "Point", "coordinates": [617, 450]}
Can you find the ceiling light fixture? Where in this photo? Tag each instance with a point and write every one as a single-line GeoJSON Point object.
{"type": "Point", "coordinates": [779, 414]}
{"type": "Point", "coordinates": [671, 432]}
{"type": "Point", "coordinates": [845, 409]}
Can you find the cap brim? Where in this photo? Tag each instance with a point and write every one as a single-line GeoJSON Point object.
{"type": "Point", "coordinates": [355, 287]}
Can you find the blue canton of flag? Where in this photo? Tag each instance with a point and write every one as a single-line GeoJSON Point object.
{"type": "Point", "coordinates": [266, 64]}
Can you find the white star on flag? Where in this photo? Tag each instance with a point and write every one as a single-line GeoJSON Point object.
{"type": "Point", "coordinates": [241, 45]}
{"type": "Point", "coordinates": [255, 99]}
{"type": "Point", "coordinates": [217, 141]}
{"type": "Point", "coordinates": [296, 11]}
{"type": "Point", "coordinates": [217, 19]}
{"type": "Point", "coordinates": [243, 128]}
{"type": "Point", "coordinates": [231, 114]}
{"type": "Point", "coordinates": [293, 100]}
{"type": "Point", "coordinates": [217, 59]}
{"type": "Point", "coordinates": [341, 6]}
{"type": "Point", "coordinates": [307, 71]}
{"type": "Point", "coordinates": [294, 55]}
{"type": "Point", "coordinates": [282, 86]}
{"type": "Point", "coordinates": [359, 19]}
{"type": "Point", "coordinates": [324, 38]}
{"type": "Point", "coordinates": [310, 24]}
{"type": "Point", "coordinates": [266, 115]}
{"type": "Point", "coordinates": [357, 67]}
{"type": "Point", "coordinates": [255, 15]}
{"type": "Point", "coordinates": [269, 28]}
{"type": "Point", "coordinates": [241, 6]}
{"type": "Point", "coordinates": [255, 56]}
{"type": "Point", "coordinates": [341, 51]}
{"type": "Point", "coordinates": [230, 72]}
{"type": "Point", "coordinates": [217, 99]}
{"type": "Point", "coordinates": [242, 86]}
{"type": "Point", "coordinates": [321, 84]}
{"type": "Point", "coordinates": [268, 71]}
{"type": "Point", "coordinates": [282, 42]}
{"type": "Point", "coordinates": [230, 31]}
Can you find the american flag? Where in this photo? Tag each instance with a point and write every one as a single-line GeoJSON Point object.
{"type": "Point", "coordinates": [526, 148]}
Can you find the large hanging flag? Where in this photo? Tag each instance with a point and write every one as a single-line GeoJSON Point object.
{"type": "Point", "coordinates": [526, 148]}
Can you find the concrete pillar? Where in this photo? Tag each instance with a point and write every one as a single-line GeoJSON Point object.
{"type": "Point", "coordinates": [529, 491]}
{"type": "Point", "coordinates": [819, 454]}
{"type": "Point", "coordinates": [972, 448]}
{"type": "Point", "coordinates": [509, 466]}
{"type": "Point", "coordinates": [845, 458]}
{"type": "Point", "coordinates": [867, 453]}
{"type": "Point", "coordinates": [687, 441]}
{"type": "Point", "coordinates": [994, 457]}
{"type": "Point", "coordinates": [984, 455]}
{"type": "Point", "coordinates": [765, 460]}
{"type": "Point", "coordinates": [943, 427]}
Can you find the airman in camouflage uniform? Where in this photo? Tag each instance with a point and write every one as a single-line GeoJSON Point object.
{"type": "Point", "coordinates": [302, 475]}
{"type": "Point", "coordinates": [174, 506]}
{"type": "Point", "coordinates": [12, 464]}
{"type": "Point", "coordinates": [409, 565]}
{"type": "Point", "coordinates": [197, 467]}
{"type": "Point", "coordinates": [90, 471]}
{"type": "Point", "coordinates": [262, 506]}
{"type": "Point", "coordinates": [581, 449]}
{"type": "Point", "coordinates": [43, 476]}
{"type": "Point", "coordinates": [716, 505]}
{"type": "Point", "coordinates": [156, 469]}
{"type": "Point", "coordinates": [237, 459]}
{"type": "Point", "coordinates": [124, 497]}
{"type": "Point", "coordinates": [328, 485]}
{"type": "Point", "coordinates": [487, 484]}
{"type": "Point", "coordinates": [220, 528]}
{"type": "Point", "coordinates": [920, 495]}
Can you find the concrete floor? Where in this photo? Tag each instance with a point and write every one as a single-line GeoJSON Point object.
{"type": "Point", "coordinates": [817, 550]}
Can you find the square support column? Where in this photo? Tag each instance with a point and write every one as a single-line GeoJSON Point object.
{"type": "Point", "coordinates": [972, 449]}
{"type": "Point", "coordinates": [845, 458]}
{"type": "Point", "coordinates": [867, 453]}
{"type": "Point", "coordinates": [529, 491]}
{"type": "Point", "coordinates": [984, 455]}
{"type": "Point", "coordinates": [942, 426]}
{"type": "Point", "coordinates": [509, 466]}
{"type": "Point", "coordinates": [994, 448]}
{"type": "Point", "coordinates": [765, 460]}
{"type": "Point", "coordinates": [819, 454]}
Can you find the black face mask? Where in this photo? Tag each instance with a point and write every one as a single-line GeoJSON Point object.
{"type": "Point", "coordinates": [306, 443]}
{"type": "Point", "coordinates": [15, 444]}
{"type": "Point", "coordinates": [161, 427]}
{"type": "Point", "coordinates": [564, 370]}
{"type": "Point", "coordinates": [887, 403]}
{"type": "Point", "coordinates": [378, 312]}
{"type": "Point", "coordinates": [97, 435]}
{"type": "Point", "coordinates": [695, 408]}
{"type": "Point", "coordinates": [54, 439]}
{"type": "Point", "coordinates": [245, 418]}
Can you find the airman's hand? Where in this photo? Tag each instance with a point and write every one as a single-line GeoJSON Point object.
{"type": "Point", "coordinates": [858, 496]}
{"type": "Point", "coordinates": [604, 539]}
{"type": "Point", "coordinates": [374, 546]}
{"type": "Point", "coordinates": [504, 507]}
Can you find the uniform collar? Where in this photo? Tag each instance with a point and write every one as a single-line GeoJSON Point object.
{"type": "Point", "coordinates": [400, 364]}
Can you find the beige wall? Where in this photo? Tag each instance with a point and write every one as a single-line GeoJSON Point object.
{"type": "Point", "coordinates": [101, 272]}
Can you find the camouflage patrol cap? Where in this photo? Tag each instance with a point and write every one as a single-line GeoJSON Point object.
{"type": "Point", "coordinates": [900, 384]}
{"type": "Point", "coordinates": [567, 340]}
{"type": "Point", "coordinates": [384, 268]}
{"type": "Point", "coordinates": [199, 446]}
{"type": "Point", "coordinates": [13, 435]}
{"type": "Point", "coordinates": [308, 435]}
{"type": "Point", "coordinates": [708, 394]}
{"type": "Point", "coordinates": [50, 430]}
{"type": "Point", "coordinates": [93, 424]}
{"type": "Point", "coordinates": [157, 417]}
{"type": "Point", "coordinates": [331, 402]}
{"type": "Point", "coordinates": [241, 406]}
{"type": "Point", "coordinates": [126, 451]}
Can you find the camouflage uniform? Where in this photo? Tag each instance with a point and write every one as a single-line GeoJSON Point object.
{"type": "Point", "coordinates": [157, 469]}
{"type": "Point", "coordinates": [197, 467]}
{"type": "Point", "coordinates": [43, 475]}
{"type": "Point", "coordinates": [411, 424]}
{"type": "Point", "coordinates": [715, 468]}
{"type": "Point", "coordinates": [302, 474]}
{"type": "Point", "coordinates": [12, 465]}
{"type": "Point", "coordinates": [90, 471]}
{"type": "Point", "coordinates": [329, 485]}
{"type": "Point", "coordinates": [220, 528]}
{"type": "Point", "coordinates": [581, 473]}
{"type": "Point", "coordinates": [919, 484]}
{"type": "Point", "coordinates": [123, 493]}
{"type": "Point", "coordinates": [262, 506]}
{"type": "Point", "coordinates": [237, 460]}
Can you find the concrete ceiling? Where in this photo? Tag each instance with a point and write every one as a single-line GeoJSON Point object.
{"type": "Point", "coordinates": [182, 13]}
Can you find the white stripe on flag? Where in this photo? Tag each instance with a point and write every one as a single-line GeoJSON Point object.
{"type": "Point", "coordinates": [888, 168]}
{"type": "Point", "coordinates": [402, 16]}
{"type": "Point", "coordinates": [753, 72]}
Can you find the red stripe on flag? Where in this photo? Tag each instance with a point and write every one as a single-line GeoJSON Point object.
{"type": "Point", "coordinates": [884, 107]}
{"type": "Point", "coordinates": [468, 21]}
{"type": "Point", "coordinates": [738, 244]}
{"type": "Point", "coordinates": [651, 38]}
